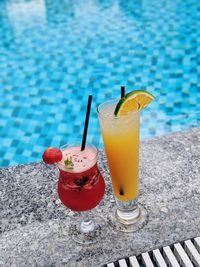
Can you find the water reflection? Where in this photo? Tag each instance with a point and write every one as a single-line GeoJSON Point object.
{"type": "Point", "coordinates": [6, 36]}
{"type": "Point", "coordinates": [26, 15]}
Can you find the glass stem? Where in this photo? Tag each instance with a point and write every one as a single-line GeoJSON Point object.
{"type": "Point", "coordinates": [87, 225]}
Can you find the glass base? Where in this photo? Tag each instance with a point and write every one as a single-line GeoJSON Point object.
{"type": "Point", "coordinates": [129, 220]}
{"type": "Point", "coordinates": [88, 232]}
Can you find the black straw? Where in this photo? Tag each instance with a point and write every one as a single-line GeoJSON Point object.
{"type": "Point", "coordinates": [121, 191]}
{"type": "Point", "coordinates": [86, 122]}
{"type": "Point", "coordinates": [122, 91]}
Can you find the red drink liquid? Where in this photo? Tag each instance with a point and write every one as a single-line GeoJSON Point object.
{"type": "Point", "coordinates": [82, 187]}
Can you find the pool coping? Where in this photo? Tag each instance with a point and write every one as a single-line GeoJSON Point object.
{"type": "Point", "coordinates": [33, 219]}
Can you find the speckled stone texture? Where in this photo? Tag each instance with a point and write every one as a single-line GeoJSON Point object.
{"type": "Point", "coordinates": [32, 218]}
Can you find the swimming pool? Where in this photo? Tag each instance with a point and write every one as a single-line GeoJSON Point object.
{"type": "Point", "coordinates": [54, 53]}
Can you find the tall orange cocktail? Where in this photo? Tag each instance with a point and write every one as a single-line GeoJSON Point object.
{"type": "Point", "coordinates": [121, 141]}
{"type": "Point", "coordinates": [120, 126]}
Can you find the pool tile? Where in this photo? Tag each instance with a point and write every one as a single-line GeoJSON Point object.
{"type": "Point", "coordinates": [66, 54]}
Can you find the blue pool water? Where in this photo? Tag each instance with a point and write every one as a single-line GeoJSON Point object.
{"type": "Point", "coordinates": [54, 53]}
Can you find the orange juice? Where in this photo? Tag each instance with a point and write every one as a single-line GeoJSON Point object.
{"type": "Point", "coordinates": [121, 141]}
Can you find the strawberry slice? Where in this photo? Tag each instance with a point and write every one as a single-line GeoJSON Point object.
{"type": "Point", "coordinates": [52, 155]}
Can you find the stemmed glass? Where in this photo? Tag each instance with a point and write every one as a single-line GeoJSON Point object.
{"type": "Point", "coordinates": [80, 188]}
{"type": "Point", "coordinates": [121, 142]}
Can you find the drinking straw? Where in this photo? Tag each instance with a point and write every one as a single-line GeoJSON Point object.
{"type": "Point", "coordinates": [86, 123]}
{"type": "Point", "coordinates": [121, 190]}
{"type": "Point", "coordinates": [122, 91]}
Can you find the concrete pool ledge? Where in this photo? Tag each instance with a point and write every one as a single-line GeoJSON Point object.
{"type": "Point", "coordinates": [32, 217]}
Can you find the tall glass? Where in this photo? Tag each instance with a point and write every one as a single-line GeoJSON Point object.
{"type": "Point", "coordinates": [80, 188]}
{"type": "Point", "coordinates": [121, 142]}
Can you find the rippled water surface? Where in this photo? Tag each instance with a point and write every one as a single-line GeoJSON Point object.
{"type": "Point", "coordinates": [53, 53]}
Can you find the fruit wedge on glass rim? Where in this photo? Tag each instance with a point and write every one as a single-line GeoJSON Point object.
{"type": "Point", "coordinates": [133, 101]}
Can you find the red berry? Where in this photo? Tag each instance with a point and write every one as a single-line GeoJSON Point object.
{"type": "Point", "coordinates": [52, 155]}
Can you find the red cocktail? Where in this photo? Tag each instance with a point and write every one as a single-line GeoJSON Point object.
{"type": "Point", "coordinates": [80, 188]}
{"type": "Point", "coordinates": [81, 191]}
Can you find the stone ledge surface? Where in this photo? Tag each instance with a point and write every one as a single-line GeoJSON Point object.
{"type": "Point", "coordinates": [32, 217]}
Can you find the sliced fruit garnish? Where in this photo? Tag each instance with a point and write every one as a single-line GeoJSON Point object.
{"type": "Point", "coordinates": [69, 163]}
{"type": "Point", "coordinates": [52, 155]}
{"type": "Point", "coordinates": [133, 101]}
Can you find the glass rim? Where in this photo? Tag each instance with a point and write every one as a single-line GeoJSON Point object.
{"type": "Point", "coordinates": [111, 115]}
{"type": "Point", "coordinates": [72, 144]}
